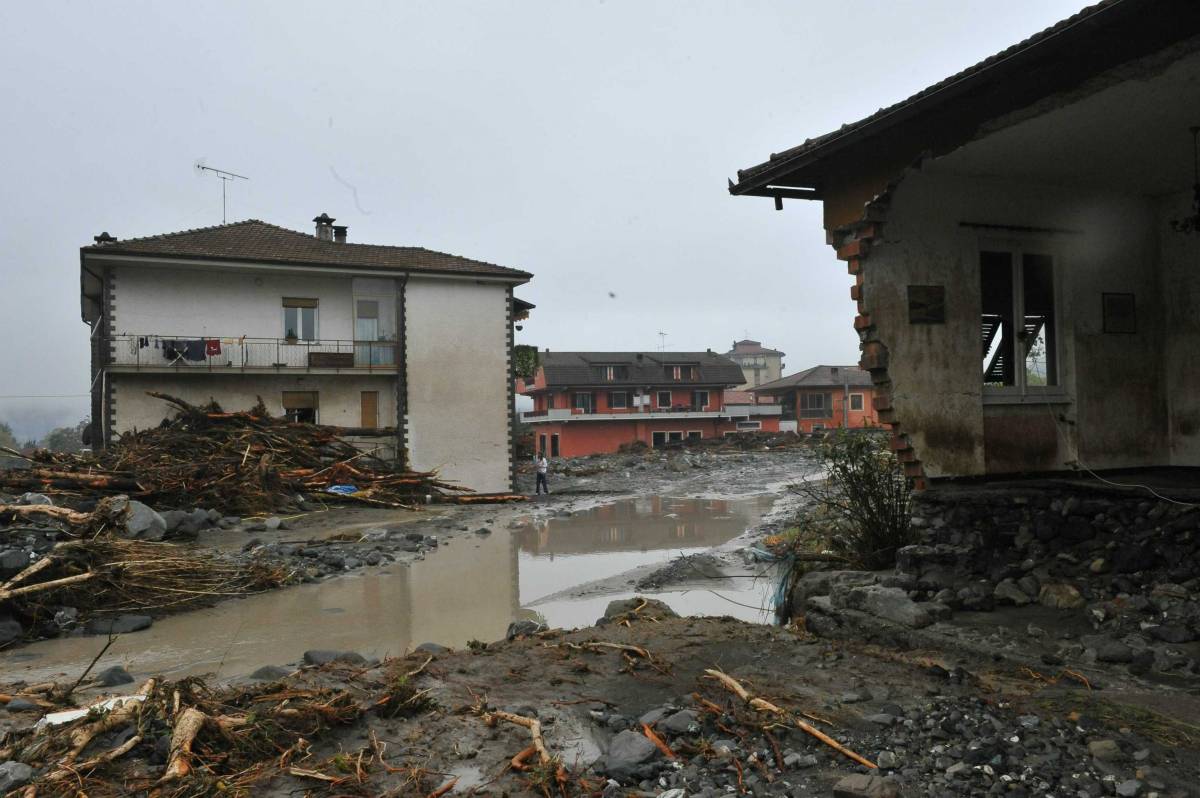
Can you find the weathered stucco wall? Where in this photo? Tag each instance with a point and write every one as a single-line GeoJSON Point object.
{"type": "Point", "coordinates": [339, 396]}
{"type": "Point", "coordinates": [1180, 286]}
{"type": "Point", "coordinates": [176, 302]}
{"type": "Point", "coordinates": [456, 336]}
{"type": "Point", "coordinates": [1114, 383]}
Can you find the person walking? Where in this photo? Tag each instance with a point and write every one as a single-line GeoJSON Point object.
{"type": "Point", "coordinates": [543, 466]}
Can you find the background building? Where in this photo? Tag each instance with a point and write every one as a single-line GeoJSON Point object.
{"type": "Point", "coordinates": [593, 402]}
{"type": "Point", "coordinates": [759, 364]}
{"type": "Point", "coordinates": [823, 397]}
{"type": "Point", "coordinates": [409, 348]}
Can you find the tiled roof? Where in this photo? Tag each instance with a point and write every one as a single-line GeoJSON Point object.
{"type": "Point", "coordinates": [748, 347]}
{"type": "Point", "coordinates": [259, 242]}
{"type": "Point", "coordinates": [564, 369]}
{"type": "Point", "coordinates": [739, 398]}
{"type": "Point", "coordinates": [1072, 41]}
{"type": "Point", "coordinates": [819, 377]}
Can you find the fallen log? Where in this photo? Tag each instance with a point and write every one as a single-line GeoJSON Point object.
{"type": "Point", "coordinates": [762, 705]}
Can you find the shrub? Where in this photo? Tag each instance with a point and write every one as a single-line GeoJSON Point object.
{"type": "Point", "coordinates": [865, 499]}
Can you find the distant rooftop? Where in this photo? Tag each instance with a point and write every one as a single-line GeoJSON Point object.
{"type": "Point", "coordinates": [818, 377]}
{"type": "Point", "coordinates": [645, 369]}
{"type": "Point", "coordinates": [749, 347]}
{"type": "Point", "coordinates": [256, 241]}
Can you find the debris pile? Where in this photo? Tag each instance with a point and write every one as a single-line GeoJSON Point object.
{"type": "Point", "coordinates": [239, 463]}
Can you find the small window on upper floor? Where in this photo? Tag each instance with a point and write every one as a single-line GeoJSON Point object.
{"type": "Point", "coordinates": [612, 373]}
{"type": "Point", "coordinates": [299, 318]}
{"type": "Point", "coordinates": [856, 401]}
{"type": "Point", "coordinates": [680, 373]}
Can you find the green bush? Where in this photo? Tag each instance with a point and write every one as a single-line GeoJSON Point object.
{"type": "Point", "coordinates": [865, 500]}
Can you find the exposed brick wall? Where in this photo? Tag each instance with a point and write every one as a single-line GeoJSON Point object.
{"type": "Point", "coordinates": [854, 244]}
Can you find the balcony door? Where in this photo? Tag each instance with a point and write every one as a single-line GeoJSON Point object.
{"type": "Point", "coordinates": [374, 331]}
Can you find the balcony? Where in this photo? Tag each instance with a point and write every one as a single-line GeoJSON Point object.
{"type": "Point", "coordinates": [626, 414]}
{"type": "Point", "coordinates": [155, 353]}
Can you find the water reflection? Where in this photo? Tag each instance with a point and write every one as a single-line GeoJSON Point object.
{"type": "Point", "coordinates": [471, 588]}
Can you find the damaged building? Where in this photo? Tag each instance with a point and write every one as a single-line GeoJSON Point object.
{"type": "Point", "coordinates": [1023, 242]}
{"type": "Point", "coordinates": [409, 349]}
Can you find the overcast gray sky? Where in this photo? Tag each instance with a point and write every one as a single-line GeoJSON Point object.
{"type": "Point", "coordinates": [586, 142]}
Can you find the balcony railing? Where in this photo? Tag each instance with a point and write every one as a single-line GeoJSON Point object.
{"type": "Point", "coordinates": [188, 353]}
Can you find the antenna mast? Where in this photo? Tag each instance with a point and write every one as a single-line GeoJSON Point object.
{"type": "Point", "coordinates": [662, 341]}
{"type": "Point", "coordinates": [224, 177]}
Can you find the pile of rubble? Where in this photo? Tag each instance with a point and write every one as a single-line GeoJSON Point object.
{"type": "Point", "coordinates": [242, 463]}
{"type": "Point", "coordinates": [1125, 571]}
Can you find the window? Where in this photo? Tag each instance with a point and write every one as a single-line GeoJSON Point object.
{"type": "Point", "coordinates": [680, 373]}
{"type": "Point", "coordinates": [618, 400]}
{"type": "Point", "coordinates": [695, 435]}
{"type": "Point", "coordinates": [749, 425]}
{"type": "Point", "coordinates": [584, 402]}
{"type": "Point", "coordinates": [856, 401]}
{"type": "Point", "coordinates": [300, 406]}
{"type": "Point", "coordinates": [554, 445]}
{"type": "Point", "coordinates": [366, 320]}
{"type": "Point", "coordinates": [1018, 330]}
{"type": "Point", "coordinates": [542, 444]}
{"type": "Point", "coordinates": [699, 400]}
{"type": "Point", "coordinates": [612, 373]}
{"type": "Point", "coordinates": [658, 439]}
{"type": "Point", "coordinates": [674, 437]}
{"type": "Point", "coordinates": [664, 399]}
{"type": "Point", "coordinates": [818, 427]}
{"type": "Point", "coordinates": [816, 405]}
{"type": "Point", "coordinates": [300, 318]}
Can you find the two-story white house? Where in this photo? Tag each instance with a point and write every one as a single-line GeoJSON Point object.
{"type": "Point", "coordinates": [410, 349]}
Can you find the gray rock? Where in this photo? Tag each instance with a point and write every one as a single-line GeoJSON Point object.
{"type": "Point", "coordinates": [654, 716]}
{"type": "Point", "coordinates": [14, 775]}
{"type": "Point", "coordinates": [1130, 788]}
{"type": "Point", "coordinates": [143, 522]}
{"type": "Point", "coordinates": [1173, 633]}
{"type": "Point", "coordinates": [272, 523]}
{"type": "Point", "coordinates": [682, 722]}
{"type": "Point", "coordinates": [799, 761]}
{"type": "Point", "coordinates": [318, 656]}
{"type": "Point", "coordinates": [653, 608]}
{"type": "Point", "coordinates": [12, 561]}
{"type": "Point", "coordinates": [887, 760]}
{"type": "Point", "coordinates": [10, 630]}
{"type": "Point", "coordinates": [523, 629]}
{"type": "Point", "coordinates": [1109, 650]}
{"type": "Point", "coordinates": [111, 677]}
{"type": "Point", "coordinates": [118, 625]}
{"type": "Point", "coordinates": [889, 603]}
{"type": "Point", "coordinates": [626, 752]}
{"type": "Point", "coordinates": [1060, 596]}
{"type": "Point", "coordinates": [173, 518]}
{"type": "Point", "coordinates": [19, 704]}
{"type": "Point", "coordinates": [864, 785]}
{"type": "Point", "coordinates": [432, 648]}
{"type": "Point", "coordinates": [1008, 592]}
{"type": "Point", "coordinates": [1105, 750]}
{"type": "Point", "coordinates": [270, 673]}
{"type": "Point", "coordinates": [34, 498]}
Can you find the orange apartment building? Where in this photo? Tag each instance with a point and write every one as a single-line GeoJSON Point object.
{"type": "Point", "coordinates": [593, 402]}
{"type": "Point", "coordinates": [823, 397]}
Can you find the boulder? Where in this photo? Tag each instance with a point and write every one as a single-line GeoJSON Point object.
{"type": "Point", "coordinates": [111, 677]}
{"type": "Point", "coordinates": [318, 656]}
{"type": "Point", "coordinates": [14, 775]}
{"type": "Point", "coordinates": [626, 752]}
{"type": "Point", "coordinates": [10, 630]}
{"type": "Point", "coordinates": [620, 607]}
{"type": "Point", "coordinates": [864, 785]}
{"type": "Point", "coordinates": [1009, 592]}
{"type": "Point", "coordinates": [887, 603]}
{"type": "Point", "coordinates": [118, 625]}
{"type": "Point", "coordinates": [270, 673]}
{"type": "Point", "coordinates": [523, 629]}
{"type": "Point", "coordinates": [1060, 596]}
{"type": "Point", "coordinates": [143, 522]}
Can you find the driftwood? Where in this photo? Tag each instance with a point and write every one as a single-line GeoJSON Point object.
{"type": "Point", "coordinates": [762, 705]}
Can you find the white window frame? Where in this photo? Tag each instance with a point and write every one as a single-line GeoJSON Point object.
{"type": "Point", "coordinates": [316, 309]}
{"type": "Point", "coordinates": [675, 440]}
{"type": "Point", "coordinates": [699, 433]}
{"type": "Point", "coordinates": [1017, 247]}
{"type": "Point", "coordinates": [707, 398]}
{"type": "Point", "coordinates": [749, 425]}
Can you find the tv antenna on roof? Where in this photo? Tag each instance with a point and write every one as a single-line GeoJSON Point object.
{"type": "Point", "coordinates": [662, 341]}
{"type": "Point", "coordinates": [224, 177]}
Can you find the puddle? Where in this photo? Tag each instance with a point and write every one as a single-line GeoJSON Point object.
{"type": "Point", "coordinates": [469, 589]}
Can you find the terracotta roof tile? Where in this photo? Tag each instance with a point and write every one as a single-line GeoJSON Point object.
{"type": "Point", "coordinates": [259, 242]}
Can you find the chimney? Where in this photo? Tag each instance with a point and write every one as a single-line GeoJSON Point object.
{"type": "Point", "coordinates": [104, 238]}
{"type": "Point", "coordinates": [339, 233]}
{"type": "Point", "coordinates": [324, 227]}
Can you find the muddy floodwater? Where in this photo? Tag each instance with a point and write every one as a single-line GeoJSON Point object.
{"type": "Point", "coordinates": [470, 588]}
